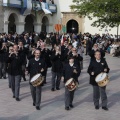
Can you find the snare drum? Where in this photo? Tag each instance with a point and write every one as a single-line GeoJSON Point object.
{"type": "Point", "coordinates": [71, 84]}
{"type": "Point", "coordinates": [102, 79]}
{"type": "Point", "coordinates": [37, 80]}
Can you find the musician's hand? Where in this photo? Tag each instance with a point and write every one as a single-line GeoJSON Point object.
{"type": "Point", "coordinates": [42, 70]}
{"type": "Point", "coordinates": [75, 71]}
{"type": "Point", "coordinates": [92, 73]}
{"type": "Point", "coordinates": [105, 70]}
{"type": "Point", "coordinates": [10, 54]}
{"type": "Point", "coordinates": [62, 78]}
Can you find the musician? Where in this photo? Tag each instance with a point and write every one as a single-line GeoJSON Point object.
{"type": "Point", "coordinates": [67, 52]}
{"type": "Point", "coordinates": [88, 45]}
{"type": "Point", "coordinates": [77, 57]}
{"type": "Point", "coordinates": [15, 61]}
{"type": "Point", "coordinates": [70, 70]}
{"type": "Point", "coordinates": [56, 59]}
{"type": "Point", "coordinates": [97, 66]}
{"type": "Point", "coordinates": [23, 52]}
{"type": "Point", "coordinates": [36, 65]}
{"type": "Point", "coordinates": [9, 75]}
{"type": "Point", "coordinates": [26, 41]}
{"type": "Point", "coordinates": [45, 55]}
{"type": "Point", "coordinates": [3, 59]}
{"type": "Point", "coordinates": [94, 49]}
{"type": "Point", "coordinates": [31, 52]}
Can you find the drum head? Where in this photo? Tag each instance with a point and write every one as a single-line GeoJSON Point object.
{"type": "Point", "coordinates": [69, 81]}
{"type": "Point", "coordinates": [35, 77]}
{"type": "Point", "coordinates": [100, 77]}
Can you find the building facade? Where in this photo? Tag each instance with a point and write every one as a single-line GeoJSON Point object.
{"type": "Point", "coordinates": [32, 15]}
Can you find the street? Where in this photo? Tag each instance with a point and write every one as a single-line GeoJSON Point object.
{"type": "Point", "coordinates": [52, 106]}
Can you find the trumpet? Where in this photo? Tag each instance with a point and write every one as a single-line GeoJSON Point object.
{"type": "Point", "coordinates": [12, 43]}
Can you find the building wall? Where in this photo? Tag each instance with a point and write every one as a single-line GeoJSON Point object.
{"type": "Point", "coordinates": [1, 18]}
{"type": "Point", "coordinates": [63, 15]}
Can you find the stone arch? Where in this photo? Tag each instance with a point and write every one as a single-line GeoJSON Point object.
{"type": "Point", "coordinates": [29, 23]}
{"type": "Point", "coordinates": [12, 18]}
{"type": "Point", "coordinates": [48, 16]}
{"type": "Point", "coordinates": [70, 15]}
{"type": "Point", "coordinates": [72, 26]}
{"type": "Point", "coordinates": [45, 24]}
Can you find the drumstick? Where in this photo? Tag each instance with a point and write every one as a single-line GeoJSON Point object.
{"type": "Point", "coordinates": [102, 74]}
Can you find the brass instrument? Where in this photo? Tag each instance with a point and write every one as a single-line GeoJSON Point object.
{"type": "Point", "coordinates": [12, 43]}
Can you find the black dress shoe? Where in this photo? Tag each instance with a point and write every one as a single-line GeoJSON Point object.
{"type": "Point", "coordinates": [33, 104]}
{"type": "Point", "coordinates": [71, 106]}
{"type": "Point", "coordinates": [97, 107]}
{"type": "Point", "coordinates": [4, 77]}
{"type": "Point", "coordinates": [105, 108]}
{"type": "Point", "coordinates": [37, 108]}
{"type": "Point", "coordinates": [52, 89]}
{"type": "Point", "coordinates": [67, 108]}
{"type": "Point", "coordinates": [57, 88]}
{"type": "Point", "coordinates": [17, 99]}
{"type": "Point", "coordinates": [9, 86]}
{"type": "Point", "coordinates": [13, 96]}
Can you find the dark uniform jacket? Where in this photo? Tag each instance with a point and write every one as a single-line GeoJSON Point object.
{"type": "Point", "coordinates": [97, 68]}
{"type": "Point", "coordinates": [56, 62]}
{"type": "Point", "coordinates": [68, 73]}
{"type": "Point", "coordinates": [3, 55]}
{"type": "Point", "coordinates": [15, 64]}
{"type": "Point", "coordinates": [45, 55]}
{"type": "Point", "coordinates": [35, 67]}
{"type": "Point", "coordinates": [23, 52]}
{"type": "Point", "coordinates": [30, 55]}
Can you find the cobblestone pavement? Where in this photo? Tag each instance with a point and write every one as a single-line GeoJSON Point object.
{"type": "Point", "coordinates": [52, 106]}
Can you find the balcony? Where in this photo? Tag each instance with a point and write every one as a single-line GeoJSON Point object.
{"type": "Point", "coordinates": [12, 3]}
{"type": "Point", "coordinates": [51, 7]}
{"type": "Point", "coordinates": [27, 4]}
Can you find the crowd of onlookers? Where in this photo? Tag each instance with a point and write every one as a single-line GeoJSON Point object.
{"type": "Point", "coordinates": [107, 42]}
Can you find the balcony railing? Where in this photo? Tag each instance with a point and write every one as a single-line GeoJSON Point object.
{"type": "Point", "coordinates": [12, 3]}
{"type": "Point", "coordinates": [22, 4]}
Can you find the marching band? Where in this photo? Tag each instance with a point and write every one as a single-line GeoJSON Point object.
{"type": "Point", "coordinates": [65, 60]}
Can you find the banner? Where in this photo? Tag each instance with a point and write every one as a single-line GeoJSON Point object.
{"type": "Point", "coordinates": [58, 27]}
{"type": "Point", "coordinates": [46, 11]}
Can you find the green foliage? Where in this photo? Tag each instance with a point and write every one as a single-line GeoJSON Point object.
{"type": "Point", "coordinates": [107, 12]}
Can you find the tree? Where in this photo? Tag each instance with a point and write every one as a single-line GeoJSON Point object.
{"type": "Point", "coordinates": [107, 12]}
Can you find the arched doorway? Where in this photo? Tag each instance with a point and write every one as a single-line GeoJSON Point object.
{"type": "Point", "coordinates": [29, 23]}
{"type": "Point", "coordinates": [45, 23]}
{"type": "Point", "coordinates": [12, 26]}
{"type": "Point", "coordinates": [72, 26]}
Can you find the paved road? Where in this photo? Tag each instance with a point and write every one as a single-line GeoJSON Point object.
{"type": "Point", "coordinates": [52, 106]}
